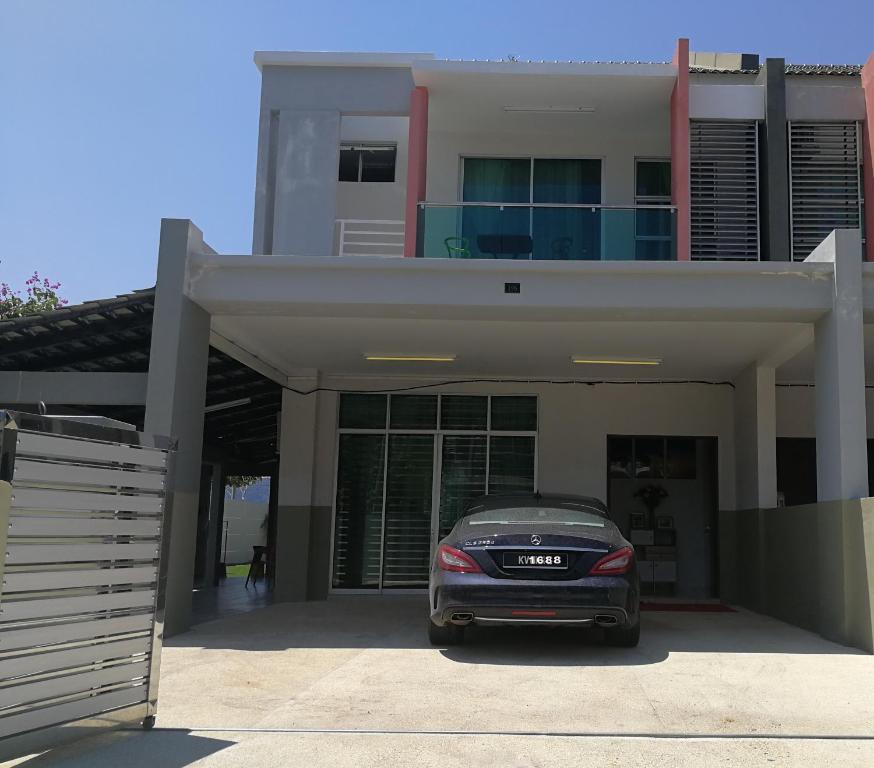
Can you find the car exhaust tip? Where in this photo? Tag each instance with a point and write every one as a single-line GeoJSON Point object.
{"type": "Point", "coordinates": [606, 620]}
{"type": "Point", "coordinates": [461, 618]}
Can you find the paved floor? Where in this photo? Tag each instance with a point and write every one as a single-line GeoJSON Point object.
{"type": "Point", "coordinates": [273, 687]}
{"type": "Point", "coordinates": [231, 597]}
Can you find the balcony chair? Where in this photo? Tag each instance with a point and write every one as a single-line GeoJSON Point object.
{"type": "Point", "coordinates": [457, 247]}
{"type": "Point", "coordinates": [257, 566]}
{"type": "Point", "coordinates": [561, 247]}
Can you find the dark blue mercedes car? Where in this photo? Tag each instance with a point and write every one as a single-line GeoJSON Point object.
{"type": "Point", "coordinates": [535, 559]}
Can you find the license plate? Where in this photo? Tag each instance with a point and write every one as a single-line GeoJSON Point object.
{"type": "Point", "coordinates": [535, 560]}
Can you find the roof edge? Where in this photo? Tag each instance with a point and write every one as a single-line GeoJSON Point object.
{"type": "Point", "coordinates": [337, 59]}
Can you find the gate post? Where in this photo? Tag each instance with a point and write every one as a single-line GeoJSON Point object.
{"type": "Point", "coordinates": [175, 399]}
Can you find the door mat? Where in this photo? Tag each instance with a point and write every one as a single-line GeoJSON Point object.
{"type": "Point", "coordinates": [688, 607]}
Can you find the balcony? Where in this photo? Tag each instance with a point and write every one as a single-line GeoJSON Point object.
{"type": "Point", "coordinates": [556, 232]}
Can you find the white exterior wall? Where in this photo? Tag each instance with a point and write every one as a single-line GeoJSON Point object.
{"type": "Point", "coordinates": [796, 411]}
{"type": "Point", "coordinates": [573, 424]}
{"type": "Point", "coordinates": [616, 148]}
{"type": "Point", "coordinates": [714, 101]}
{"type": "Point", "coordinates": [824, 98]}
{"type": "Point", "coordinates": [245, 529]}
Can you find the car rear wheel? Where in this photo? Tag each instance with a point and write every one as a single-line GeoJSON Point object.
{"type": "Point", "coordinates": [450, 634]}
{"type": "Point", "coordinates": [623, 637]}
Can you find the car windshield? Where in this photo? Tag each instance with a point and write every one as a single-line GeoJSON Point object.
{"type": "Point", "coordinates": [582, 515]}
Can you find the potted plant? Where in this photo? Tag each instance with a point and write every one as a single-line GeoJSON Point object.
{"type": "Point", "coordinates": [651, 495]}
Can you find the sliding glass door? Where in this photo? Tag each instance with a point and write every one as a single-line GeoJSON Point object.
{"type": "Point", "coordinates": [358, 516]}
{"type": "Point", "coordinates": [528, 231]}
{"type": "Point", "coordinates": [488, 229]}
{"type": "Point", "coordinates": [407, 467]}
{"type": "Point", "coordinates": [408, 492]}
{"type": "Point", "coordinates": [566, 232]}
{"type": "Point", "coordinates": [462, 476]}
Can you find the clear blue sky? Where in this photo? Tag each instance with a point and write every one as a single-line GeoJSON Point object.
{"type": "Point", "coordinates": [115, 113]}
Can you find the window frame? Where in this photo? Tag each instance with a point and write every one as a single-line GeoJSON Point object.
{"type": "Point", "coordinates": [666, 474]}
{"type": "Point", "coordinates": [360, 147]}
{"type": "Point", "coordinates": [387, 430]}
{"type": "Point", "coordinates": [648, 200]}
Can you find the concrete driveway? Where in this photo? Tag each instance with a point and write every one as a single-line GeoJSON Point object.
{"type": "Point", "coordinates": [352, 682]}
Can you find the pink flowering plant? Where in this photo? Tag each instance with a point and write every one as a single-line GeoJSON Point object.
{"type": "Point", "coordinates": [40, 295]}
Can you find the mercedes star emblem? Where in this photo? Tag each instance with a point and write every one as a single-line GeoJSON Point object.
{"type": "Point", "coordinates": [535, 539]}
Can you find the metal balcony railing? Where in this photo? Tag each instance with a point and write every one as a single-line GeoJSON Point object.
{"type": "Point", "coordinates": [546, 231]}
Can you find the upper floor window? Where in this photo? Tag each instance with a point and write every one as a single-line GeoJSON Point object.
{"type": "Point", "coordinates": [653, 220]}
{"type": "Point", "coordinates": [368, 162]}
{"type": "Point", "coordinates": [653, 182]}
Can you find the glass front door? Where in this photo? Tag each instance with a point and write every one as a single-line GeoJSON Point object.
{"type": "Point", "coordinates": [663, 494]}
{"type": "Point", "coordinates": [408, 465]}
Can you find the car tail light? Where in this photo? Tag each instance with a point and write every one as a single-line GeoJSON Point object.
{"type": "Point", "coordinates": [451, 559]}
{"type": "Point", "coordinates": [615, 563]}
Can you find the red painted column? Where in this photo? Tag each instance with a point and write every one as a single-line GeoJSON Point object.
{"type": "Point", "coordinates": [680, 166]}
{"type": "Point", "coordinates": [868, 155]}
{"type": "Point", "coordinates": [417, 164]}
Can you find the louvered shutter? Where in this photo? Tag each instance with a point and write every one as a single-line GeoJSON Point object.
{"type": "Point", "coordinates": [825, 182]}
{"type": "Point", "coordinates": [725, 190]}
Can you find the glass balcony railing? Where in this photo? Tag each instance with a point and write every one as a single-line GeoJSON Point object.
{"type": "Point", "coordinates": [546, 232]}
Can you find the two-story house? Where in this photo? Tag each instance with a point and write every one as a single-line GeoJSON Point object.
{"type": "Point", "coordinates": [582, 277]}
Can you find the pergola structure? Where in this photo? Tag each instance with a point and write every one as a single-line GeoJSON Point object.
{"type": "Point", "coordinates": [107, 343]}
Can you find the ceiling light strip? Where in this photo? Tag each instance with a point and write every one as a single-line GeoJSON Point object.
{"type": "Point", "coordinates": [411, 358]}
{"type": "Point", "coordinates": [593, 360]}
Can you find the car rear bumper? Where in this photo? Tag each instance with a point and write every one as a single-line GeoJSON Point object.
{"type": "Point", "coordinates": [489, 615]}
{"type": "Point", "coordinates": [480, 599]}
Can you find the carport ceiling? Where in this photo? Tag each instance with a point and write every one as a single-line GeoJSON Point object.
{"type": "Point", "coordinates": [707, 350]}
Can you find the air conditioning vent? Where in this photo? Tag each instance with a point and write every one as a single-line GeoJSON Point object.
{"type": "Point", "coordinates": [824, 169]}
{"type": "Point", "coordinates": [725, 190]}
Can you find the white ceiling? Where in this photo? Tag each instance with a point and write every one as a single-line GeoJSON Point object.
{"type": "Point", "coordinates": [476, 101]}
{"type": "Point", "coordinates": [706, 350]}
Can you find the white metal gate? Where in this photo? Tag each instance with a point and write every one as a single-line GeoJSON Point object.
{"type": "Point", "coordinates": [84, 523]}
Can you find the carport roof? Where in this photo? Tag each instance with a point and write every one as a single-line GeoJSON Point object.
{"type": "Point", "coordinates": [115, 335]}
{"type": "Point", "coordinates": [338, 315]}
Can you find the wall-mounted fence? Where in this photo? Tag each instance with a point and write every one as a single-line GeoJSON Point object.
{"type": "Point", "coordinates": [84, 524]}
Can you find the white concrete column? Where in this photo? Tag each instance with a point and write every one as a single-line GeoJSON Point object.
{"type": "Point", "coordinates": [755, 423]}
{"type": "Point", "coordinates": [175, 397]}
{"type": "Point", "coordinates": [841, 446]}
{"type": "Point", "coordinates": [297, 450]}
